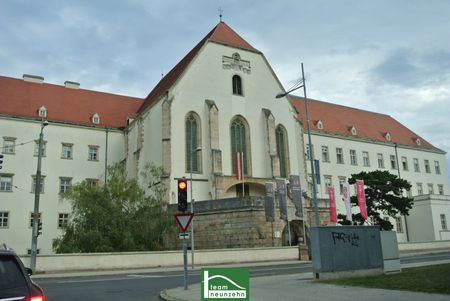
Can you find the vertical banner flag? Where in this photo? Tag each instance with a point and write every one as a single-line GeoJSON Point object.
{"type": "Point", "coordinates": [269, 204]}
{"type": "Point", "coordinates": [239, 166]}
{"type": "Point", "coordinates": [296, 194]}
{"type": "Point", "coordinates": [281, 187]}
{"type": "Point", "coordinates": [333, 217]}
{"type": "Point", "coordinates": [346, 199]}
{"type": "Point", "coordinates": [360, 194]}
{"type": "Point", "coordinates": [317, 171]}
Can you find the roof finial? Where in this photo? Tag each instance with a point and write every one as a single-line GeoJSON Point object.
{"type": "Point", "coordinates": [220, 13]}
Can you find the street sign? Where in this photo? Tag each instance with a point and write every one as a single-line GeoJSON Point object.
{"type": "Point", "coordinates": [184, 220]}
{"type": "Point", "coordinates": [183, 235]}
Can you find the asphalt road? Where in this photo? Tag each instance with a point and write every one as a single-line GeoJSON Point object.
{"type": "Point", "coordinates": [147, 286]}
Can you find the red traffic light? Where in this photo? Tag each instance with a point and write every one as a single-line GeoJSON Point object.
{"type": "Point", "coordinates": [182, 184]}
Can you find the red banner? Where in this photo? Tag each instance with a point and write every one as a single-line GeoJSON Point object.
{"type": "Point", "coordinates": [239, 166]}
{"type": "Point", "coordinates": [361, 196]}
{"type": "Point", "coordinates": [333, 217]}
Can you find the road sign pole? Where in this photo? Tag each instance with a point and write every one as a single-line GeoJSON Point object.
{"type": "Point", "coordinates": [185, 264]}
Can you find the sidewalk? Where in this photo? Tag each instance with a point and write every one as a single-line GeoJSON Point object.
{"type": "Point", "coordinates": [301, 287]}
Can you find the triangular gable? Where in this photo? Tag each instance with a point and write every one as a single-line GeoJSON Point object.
{"type": "Point", "coordinates": [221, 33]}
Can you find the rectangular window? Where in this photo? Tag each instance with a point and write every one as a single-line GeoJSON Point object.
{"type": "Point", "coordinates": [443, 222]}
{"type": "Point", "coordinates": [325, 154]}
{"type": "Point", "coordinates": [6, 183]}
{"type": "Point", "coordinates": [328, 183]}
{"type": "Point", "coordinates": [437, 168]}
{"type": "Point", "coordinates": [404, 163]}
{"type": "Point", "coordinates": [4, 219]}
{"type": "Point", "coordinates": [441, 189]}
{"type": "Point", "coordinates": [9, 145]}
{"type": "Point", "coordinates": [366, 159]}
{"type": "Point", "coordinates": [341, 183]}
{"type": "Point", "coordinates": [393, 162]}
{"type": "Point", "coordinates": [64, 184]}
{"type": "Point", "coordinates": [399, 224]}
{"type": "Point", "coordinates": [419, 188]}
{"type": "Point", "coordinates": [92, 182]}
{"type": "Point", "coordinates": [33, 184]}
{"type": "Point", "coordinates": [63, 220]}
{"type": "Point", "coordinates": [416, 165]}
{"type": "Point", "coordinates": [409, 193]}
{"type": "Point", "coordinates": [427, 166]}
{"type": "Point", "coordinates": [339, 156]}
{"type": "Point", "coordinates": [310, 183]}
{"type": "Point", "coordinates": [353, 159]}
{"type": "Point", "coordinates": [43, 148]}
{"type": "Point", "coordinates": [31, 219]}
{"type": "Point", "coordinates": [67, 149]}
{"type": "Point", "coordinates": [93, 153]}
{"type": "Point", "coordinates": [430, 188]}
{"type": "Point", "coordinates": [380, 160]}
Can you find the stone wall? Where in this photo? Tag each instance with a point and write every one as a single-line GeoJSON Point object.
{"type": "Point", "coordinates": [241, 223]}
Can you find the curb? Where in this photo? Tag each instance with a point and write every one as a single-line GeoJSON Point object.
{"type": "Point", "coordinates": [164, 296]}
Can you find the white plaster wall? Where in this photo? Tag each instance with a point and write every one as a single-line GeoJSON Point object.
{"type": "Point", "coordinates": [439, 206]}
{"type": "Point", "coordinates": [206, 79]}
{"type": "Point", "coordinates": [20, 202]}
{"type": "Point", "coordinates": [335, 170]}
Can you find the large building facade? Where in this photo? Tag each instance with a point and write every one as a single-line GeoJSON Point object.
{"type": "Point", "coordinates": [217, 101]}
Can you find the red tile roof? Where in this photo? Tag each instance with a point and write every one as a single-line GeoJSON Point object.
{"type": "Point", "coordinates": [23, 99]}
{"type": "Point", "coordinates": [339, 120]}
{"type": "Point", "coordinates": [221, 33]}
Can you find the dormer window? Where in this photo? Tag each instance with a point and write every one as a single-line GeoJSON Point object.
{"type": "Point", "coordinates": [320, 125]}
{"type": "Point", "coordinates": [353, 130]}
{"type": "Point", "coordinates": [95, 119]}
{"type": "Point", "coordinates": [42, 112]}
{"type": "Point", "coordinates": [387, 136]}
{"type": "Point", "coordinates": [418, 142]}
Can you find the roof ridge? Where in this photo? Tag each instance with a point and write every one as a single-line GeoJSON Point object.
{"type": "Point", "coordinates": [63, 87]}
{"type": "Point", "coordinates": [338, 105]}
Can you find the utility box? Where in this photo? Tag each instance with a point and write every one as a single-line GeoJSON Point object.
{"type": "Point", "coordinates": [346, 251]}
{"type": "Point", "coordinates": [391, 255]}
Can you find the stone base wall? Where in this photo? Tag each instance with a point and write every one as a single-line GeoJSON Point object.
{"type": "Point", "coordinates": [241, 223]}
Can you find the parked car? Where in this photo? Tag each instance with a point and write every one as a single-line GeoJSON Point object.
{"type": "Point", "coordinates": [15, 281]}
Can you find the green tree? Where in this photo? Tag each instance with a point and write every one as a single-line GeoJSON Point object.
{"type": "Point", "coordinates": [118, 216]}
{"type": "Point", "coordinates": [384, 196]}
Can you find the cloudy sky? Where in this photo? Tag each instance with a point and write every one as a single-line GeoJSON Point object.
{"type": "Point", "coordinates": [387, 56]}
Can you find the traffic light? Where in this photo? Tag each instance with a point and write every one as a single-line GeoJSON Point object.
{"type": "Point", "coordinates": [39, 231]}
{"type": "Point", "coordinates": [1, 161]}
{"type": "Point", "coordinates": [182, 195]}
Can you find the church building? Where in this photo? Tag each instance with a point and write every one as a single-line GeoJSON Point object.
{"type": "Point", "coordinates": [216, 105]}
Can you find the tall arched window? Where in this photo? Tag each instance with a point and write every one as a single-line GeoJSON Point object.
{"type": "Point", "coordinates": [240, 142]}
{"type": "Point", "coordinates": [282, 150]}
{"type": "Point", "coordinates": [193, 142]}
{"type": "Point", "coordinates": [237, 85]}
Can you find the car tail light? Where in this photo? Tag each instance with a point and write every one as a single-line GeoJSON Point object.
{"type": "Point", "coordinates": [37, 298]}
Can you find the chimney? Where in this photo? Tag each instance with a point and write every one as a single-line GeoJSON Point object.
{"type": "Point", "coordinates": [33, 78]}
{"type": "Point", "coordinates": [71, 85]}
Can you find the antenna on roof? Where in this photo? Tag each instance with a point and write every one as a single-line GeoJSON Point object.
{"type": "Point", "coordinates": [220, 13]}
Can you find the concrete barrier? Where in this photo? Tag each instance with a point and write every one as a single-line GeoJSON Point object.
{"type": "Point", "coordinates": [137, 260]}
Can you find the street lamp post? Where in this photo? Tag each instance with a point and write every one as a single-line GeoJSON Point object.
{"type": "Point", "coordinates": [310, 149]}
{"type": "Point", "coordinates": [192, 153]}
{"type": "Point", "coordinates": [37, 192]}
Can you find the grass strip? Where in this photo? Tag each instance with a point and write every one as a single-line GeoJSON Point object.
{"type": "Point", "coordinates": [427, 279]}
